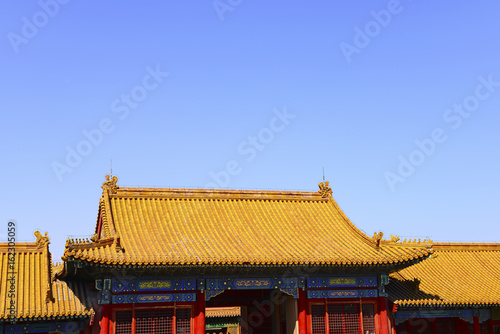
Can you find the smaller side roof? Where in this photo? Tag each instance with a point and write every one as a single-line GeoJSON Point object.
{"type": "Point", "coordinates": [216, 312]}
{"type": "Point", "coordinates": [456, 275]}
{"type": "Point", "coordinates": [28, 288]}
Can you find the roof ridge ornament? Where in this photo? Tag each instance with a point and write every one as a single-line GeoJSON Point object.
{"type": "Point", "coordinates": [324, 189]}
{"type": "Point", "coordinates": [41, 241]}
{"type": "Point", "coordinates": [419, 242]}
{"type": "Point", "coordinates": [395, 238]}
{"type": "Point", "coordinates": [110, 184]}
{"type": "Point", "coordinates": [377, 237]}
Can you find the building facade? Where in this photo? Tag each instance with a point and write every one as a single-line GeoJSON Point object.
{"type": "Point", "coordinates": [181, 260]}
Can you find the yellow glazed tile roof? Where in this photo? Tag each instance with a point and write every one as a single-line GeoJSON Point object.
{"type": "Point", "coordinates": [214, 312]}
{"type": "Point", "coordinates": [456, 274]}
{"type": "Point", "coordinates": [157, 226]}
{"type": "Point", "coordinates": [37, 294]}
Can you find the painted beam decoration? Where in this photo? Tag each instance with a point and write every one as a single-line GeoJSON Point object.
{"type": "Point", "coordinates": [342, 282]}
{"type": "Point", "coordinates": [62, 327]}
{"type": "Point", "coordinates": [153, 285]}
{"type": "Point", "coordinates": [154, 298]}
{"type": "Point", "coordinates": [215, 286]}
{"type": "Point", "coordinates": [315, 294]}
{"type": "Point", "coordinates": [117, 291]}
{"type": "Point", "coordinates": [250, 283]}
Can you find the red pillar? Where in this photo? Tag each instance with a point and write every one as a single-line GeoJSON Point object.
{"type": "Point", "coordinates": [393, 325]}
{"type": "Point", "coordinates": [302, 305]}
{"type": "Point", "coordinates": [199, 313]}
{"type": "Point", "coordinates": [105, 319]}
{"type": "Point", "coordinates": [382, 310]}
{"type": "Point", "coordinates": [477, 328]}
{"type": "Point", "coordinates": [490, 324]}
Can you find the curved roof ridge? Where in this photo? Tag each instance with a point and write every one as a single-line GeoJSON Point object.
{"type": "Point", "coordinates": [215, 193]}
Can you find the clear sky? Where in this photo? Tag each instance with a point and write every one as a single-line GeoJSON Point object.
{"type": "Point", "coordinates": [399, 101]}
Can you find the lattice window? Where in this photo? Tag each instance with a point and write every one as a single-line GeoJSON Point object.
{"type": "Point", "coordinates": [144, 322]}
{"type": "Point", "coordinates": [318, 319]}
{"type": "Point", "coordinates": [159, 321]}
{"type": "Point", "coordinates": [368, 319]}
{"type": "Point", "coordinates": [335, 319]}
{"type": "Point", "coordinates": [163, 321]}
{"type": "Point", "coordinates": [123, 323]}
{"type": "Point", "coordinates": [352, 319]}
{"type": "Point", "coordinates": [344, 319]}
{"type": "Point", "coordinates": [183, 321]}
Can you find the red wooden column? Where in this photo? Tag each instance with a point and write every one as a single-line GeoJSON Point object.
{"type": "Point", "coordinates": [302, 306]}
{"type": "Point", "coordinates": [490, 324]}
{"type": "Point", "coordinates": [477, 328]}
{"type": "Point", "coordinates": [382, 310]}
{"type": "Point", "coordinates": [199, 314]}
{"type": "Point", "coordinates": [105, 319]}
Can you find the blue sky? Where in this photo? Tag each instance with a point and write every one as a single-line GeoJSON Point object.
{"type": "Point", "coordinates": [398, 100]}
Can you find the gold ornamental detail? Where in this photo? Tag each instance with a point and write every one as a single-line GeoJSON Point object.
{"type": "Point", "coordinates": [324, 189]}
{"type": "Point", "coordinates": [110, 184]}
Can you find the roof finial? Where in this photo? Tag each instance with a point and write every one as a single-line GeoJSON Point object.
{"type": "Point", "coordinates": [111, 167]}
{"type": "Point", "coordinates": [110, 184]}
{"type": "Point", "coordinates": [323, 173]}
{"type": "Point", "coordinates": [377, 237]}
{"type": "Point", "coordinates": [324, 189]}
{"type": "Point", "coordinates": [41, 240]}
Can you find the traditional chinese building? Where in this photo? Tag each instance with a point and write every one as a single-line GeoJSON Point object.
{"type": "Point", "coordinates": [32, 300]}
{"type": "Point", "coordinates": [226, 320]}
{"type": "Point", "coordinates": [457, 290]}
{"type": "Point", "coordinates": [242, 262]}
{"type": "Point", "coordinates": [292, 262]}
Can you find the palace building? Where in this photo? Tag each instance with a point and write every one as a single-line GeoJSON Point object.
{"type": "Point", "coordinates": [32, 300]}
{"type": "Point", "coordinates": [457, 290]}
{"type": "Point", "coordinates": [247, 262]}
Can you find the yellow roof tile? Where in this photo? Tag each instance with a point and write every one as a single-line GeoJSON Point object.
{"type": "Point", "coordinates": [160, 226]}
{"type": "Point", "coordinates": [456, 274]}
{"type": "Point", "coordinates": [214, 312]}
{"type": "Point", "coordinates": [35, 292]}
